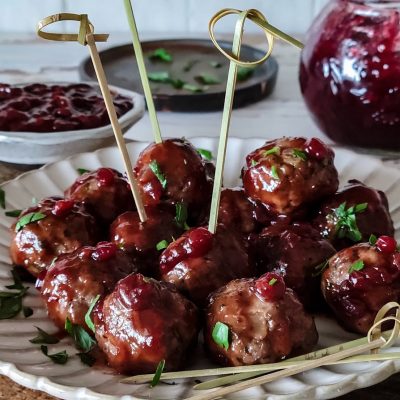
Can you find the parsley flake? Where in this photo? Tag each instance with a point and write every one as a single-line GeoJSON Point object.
{"type": "Point", "coordinates": [13, 213]}
{"type": "Point", "coordinates": [272, 282]}
{"type": "Point", "coordinates": [161, 55]}
{"type": "Point", "coordinates": [57, 358]}
{"type": "Point", "coordinates": [157, 375]}
{"type": "Point", "coordinates": [372, 240]}
{"type": "Point", "coordinates": [88, 319]}
{"type": "Point", "coordinates": [206, 154]}
{"type": "Point", "coordinates": [356, 266]}
{"type": "Point", "coordinates": [2, 198]}
{"type": "Point", "coordinates": [28, 219]}
{"type": "Point", "coordinates": [82, 339]}
{"type": "Point", "coordinates": [300, 154]}
{"type": "Point", "coordinates": [220, 335]}
{"type": "Point", "coordinates": [254, 163]}
{"type": "Point", "coordinates": [345, 221]}
{"type": "Point", "coordinates": [158, 173]}
{"type": "Point", "coordinates": [82, 171]}
{"type": "Point", "coordinates": [44, 338]}
{"type": "Point", "coordinates": [274, 172]}
{"type": "Point", "coordinates": [11, 302]}
{"type": "Point", "coordinates": [162, 245]}
{"type": "Point", "coordinates": [274, 150]}
{"type": "Point", "coordinates": [181, 215]}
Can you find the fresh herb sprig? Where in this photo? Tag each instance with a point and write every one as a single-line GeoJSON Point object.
{"type": "Point", "coordinates": [83, 341]}
{"type": "Point", "coordinates": [345, 220]}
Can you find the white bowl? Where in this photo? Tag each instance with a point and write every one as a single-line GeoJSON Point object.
{"type": "Point", "coordinates": [41, 148]}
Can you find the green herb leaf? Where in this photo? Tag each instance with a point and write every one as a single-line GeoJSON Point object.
{"type": "Point", "coordinates": [158, 173]}
{"type": "Point", "coordinates": [13, 213]}
{"type": "Point", "coordinates": [189, 65]}
{"type": "Point", "coordinates": [193, 88]}
{"type": "Point", "coordinates": [274, 150]}
{"type": "Point", "coordinates": [274, 173]}
{"type": "Point", "coordinates": [207, 79]}
{"type": "Point", "coordinates": [220, 335]}
{"type": "Point", "coordinates": [206, 154]}
{"type": "Point", "coordinates": [244, 73]}
{"type": "Point", "coordinates": [162, 245]}
{"type": "Point", "coordinates": [27, 311]}
{"type": "Point", "coordinates": [272, 282]}
{"type": "Point", "coordinates": [28, 219]}
{"type": "Point", "coordinates": [161, 55]}
{"type": "Point", "coordinates": [320, 268]}
{"type": "Point", "coordinates": [254, 163]}
{"type": "Point", "coordinates": [87, 359]}
{"type": "Point", "coordinates": [356, 266]}
{"type": "Point", "coordinates": [82, 339]}
{"type": "Point", "coordinates": [82, 171]}
{"type": "Point", "coordinates": [372, 240]}
{"type": "Point", "coordinates": [17, 285]}
{"type": "Point", "coordinates": [181, 215]}
{"type": "Point", "coordinates": [57, 358]}
{"type": "Point", "coordinates": [44, 337]}
{"type": "Point", "coordinates": [346, 222]}
{"type": "Point", "coordinates": [10, 307]}
{"type": "Point", "coordinates": [88, 319]}
{"type": "Point", "coordinates": [157, 375]}
{"type": "Point", "coordinates": [216, 64]}
{"type": "Point", "coordinates": [2, 198]}
{"type": "Point", "coordinates": [161, 76]}
{"type": "Point", "coordinates": [300, 154]}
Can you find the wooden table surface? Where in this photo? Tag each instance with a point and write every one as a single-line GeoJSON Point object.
{"type": "Point", "coordinates": [27, 59]}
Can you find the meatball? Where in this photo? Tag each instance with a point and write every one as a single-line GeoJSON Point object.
{"type": "Point", "coordinates": [295, 252]}
{"type": "Point", "coordinates": [105, 192]}
{"type": "Point", "coordinates": [53, 227]}
{"type": "Point", "coordinates": [290, 173]}
{"type": "Point", "coordinates": [236, 210]}
{"type": "Point", "coordinates": [172, 172]}
{"type": "Point", "coordinates": [143, 322]}
{"type": "Point", "coordinates": [257, 321]}
{"type": "Point", "coordinates": [199, 262]}
{"type": "Point", "coordinates": [140, 239]}
{"type": "Point", "coordinates": [74, 280]}
{"type": "Point", "coordinates": [353, 214]}
{"type": "Point", "coordinates": [361, 279]}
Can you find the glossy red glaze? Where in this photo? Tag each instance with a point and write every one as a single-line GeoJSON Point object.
{"type": "Point", "coordinates": [104, 251]}
{"type": "Point", "coordinates": [40, 279]}
{"type": "Point", "coordinates": [270, 286]}
{"type": "Point", "coordinates": [317, 149]}
{"type": "Point", "coordinates": [63, 207]}
{"type": "Point", "coordinates": [386, 244]}
{"type": "Point", "coordinates": [350, 72]}
{"type": "Point", "coordinates": [105, 176]}
{"type": "Point", "coordinates": [45, 108]}
{"type": "Point", "coordinates": [195, 243]}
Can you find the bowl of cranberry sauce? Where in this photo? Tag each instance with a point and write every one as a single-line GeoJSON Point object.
{"type": "Point", "coordinates": [350, 72]}
{"type": "Point", "coordinates": [43, 122]}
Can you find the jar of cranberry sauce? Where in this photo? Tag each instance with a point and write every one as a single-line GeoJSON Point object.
{"type": "Point", "coordinates": [350, 72]}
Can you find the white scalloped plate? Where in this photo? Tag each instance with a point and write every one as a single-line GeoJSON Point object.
{"type": "Point", "coordinates": [24, 363]}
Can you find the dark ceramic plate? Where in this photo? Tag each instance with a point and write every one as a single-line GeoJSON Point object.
{"type": "Point", "coordinates": [191, 58]}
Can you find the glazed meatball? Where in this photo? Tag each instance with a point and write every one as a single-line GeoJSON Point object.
{"type": "Point", "coordinates": [236, 210]}
{"type": "Point", "coordinates": [105, 193]}
{"type": "Point", "coordinates": [289, 174]}
{"type": "Point", "coordinates": [140, 239]}
{"type": "Point", "coordinates": [53, 227]}
{"type": "Point", "coordinates": [259, 321]}
{"type": "Point", "coordinates": [172, 172]}
{"type": "Point", "coordinates": [294, 252]}
{"type": "Point", "coordinates": [143, 322]}
{"type": "Point", "coordinates": [360, 280]}
{"type": "Point", "coordinates": [74, 280]}
{"type": "Point", "coordinates": [199, 262]}
{"type": "Point", "coordinates": [353, 214]}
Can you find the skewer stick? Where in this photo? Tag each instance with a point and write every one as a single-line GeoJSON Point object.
{"type": "Point", "coordinates": [87, 37]}
{"type": "Point", "coordinates": [143, 72]}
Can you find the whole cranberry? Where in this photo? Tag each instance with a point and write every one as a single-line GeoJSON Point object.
{"type": "Point", "coordinates": [105, 176]}
{"type": "Point", "coordinates": [270, 286]}
{"type": "Point", "coordinates": [63, 207]}
{"type": "Point", "coordinates": [104, 251]}
{"type": "Point", "coordinates": [317, 149]}
{"type": "Point", "coordinates": [386, 244]}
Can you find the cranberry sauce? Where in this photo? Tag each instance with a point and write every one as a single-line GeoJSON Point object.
{"type": "Point", "coordinates": [55, 108]}
{"type": "Point", "coordinates": [350, 73]}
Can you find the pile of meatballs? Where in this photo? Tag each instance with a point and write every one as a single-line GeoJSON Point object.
{"type": "Point", "coordinates": [288, 244]}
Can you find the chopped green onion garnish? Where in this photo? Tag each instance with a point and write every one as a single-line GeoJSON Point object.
{"type": "Point", "coordinates": [82, 171]}
{"type": "Point", "coordinates": [162, 245]}
{"type": "Point", "coordinates": [272, 282]}
{"type": "Point", "coordinates": [220, 335]}
{"type": "Point", "coordinates": [274, 172]}
{"type": "Point", "coordinates": [161, 55]}
{"type": "Point", "coordinates": [207, 79]}
{"type": "Point", "coordinates": [28, 219]}
{"type": "Point", "coordinates": [356, 266]}
{"type": "Point", "coordinates": [300, 154]}
{"type": "Point", "coordinates": [88, 318]}
{"type": "Point", "coordinates": [207, 154]}
{"type": "Point", "coordinates": [372, 240]}
{"type": "Point", "coordinates": [274, 150]}
{"type": "Point", "coordinates": [158, 173]}
{"type": "Point", "coordinates": [157, 375]}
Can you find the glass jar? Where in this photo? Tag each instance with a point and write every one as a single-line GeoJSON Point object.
{"type": "Point", "coordinates": [350, 72]}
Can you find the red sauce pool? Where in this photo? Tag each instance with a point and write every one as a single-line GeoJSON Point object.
{"type": "Point", "coordinates": [55, 108]}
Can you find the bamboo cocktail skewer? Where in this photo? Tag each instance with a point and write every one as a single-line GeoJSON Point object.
{"type": "Point", "coordinates": [142, 71]}
{"type": "Point", "coordinates": [87, 37]}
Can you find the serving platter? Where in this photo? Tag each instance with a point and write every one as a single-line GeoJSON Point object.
{"type": "Point", "coordinates": [24, 363]}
